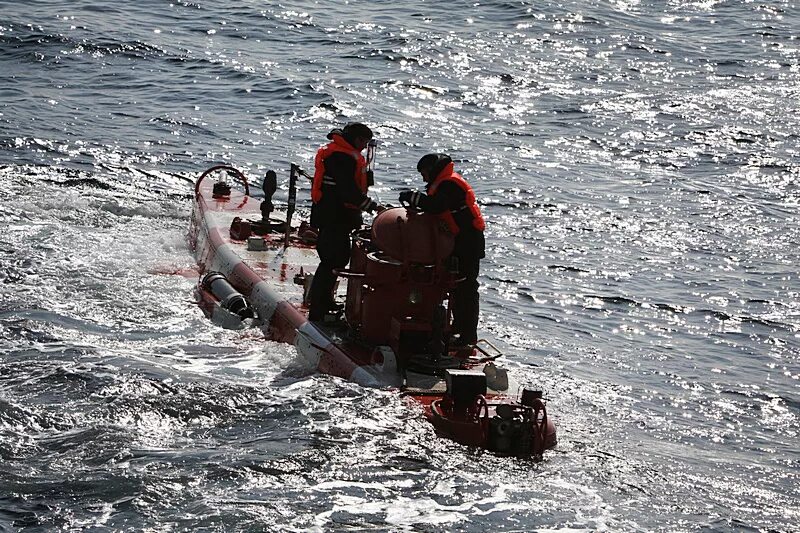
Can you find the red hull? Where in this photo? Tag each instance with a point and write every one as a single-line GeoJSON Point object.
{"type": "Point", "coordinates": [270, 273]}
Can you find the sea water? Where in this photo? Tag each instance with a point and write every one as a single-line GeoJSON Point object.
{"type": "Point", "coordinates": [638, 166]}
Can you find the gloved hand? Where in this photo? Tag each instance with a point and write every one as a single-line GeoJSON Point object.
{"type": "Point", "coordinates": [410, 198]}
{"type": "Point", "coordinates": [374, 206]}
{"type": "Point", "coordinates": [405, 197]}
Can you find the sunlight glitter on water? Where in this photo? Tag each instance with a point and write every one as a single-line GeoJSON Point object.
{"type": "Point", "coordinates": [639, 180]}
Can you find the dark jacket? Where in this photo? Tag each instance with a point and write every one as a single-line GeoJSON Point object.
{"type": "Point", "coordinates": [331, 209]}
{"type": "Point", "coordinates": [470, 242]}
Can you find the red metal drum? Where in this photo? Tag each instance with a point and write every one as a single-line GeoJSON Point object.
{"type": "Point", "coordinates": [384, 295]}
{"type": "Point", "coordinates": [355, 284]}
{"type": "Point", "coordinates": [383, 270]}
{"type": "Point", "coordinates": [413, 237]}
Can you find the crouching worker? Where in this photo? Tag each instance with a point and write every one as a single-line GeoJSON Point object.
{"type": "Point", "coordinates": [339, 195]}
{"type": "Point", "coordinates": [448, 195]}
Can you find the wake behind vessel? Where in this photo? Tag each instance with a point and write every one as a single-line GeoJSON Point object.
{"type": "Point", "coordinates": [394, 327]}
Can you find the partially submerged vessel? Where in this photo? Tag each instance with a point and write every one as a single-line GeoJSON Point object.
{"type": "Point", "coordinates": [394, 327]}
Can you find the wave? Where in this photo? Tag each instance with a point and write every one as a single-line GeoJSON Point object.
{"type": "Point", "coordinates": [35, 46]}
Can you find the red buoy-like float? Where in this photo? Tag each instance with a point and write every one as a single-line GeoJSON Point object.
{"type": "Point", "coordinates": [255, 266]}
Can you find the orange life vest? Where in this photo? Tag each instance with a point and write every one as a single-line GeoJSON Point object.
{"type": "Point", "coordinates": [338, 144]}
{"type": "Point", "coordinates": [449, 174]}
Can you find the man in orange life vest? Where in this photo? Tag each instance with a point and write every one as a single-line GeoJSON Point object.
{"type": "Point", "coordinates": [451, 197]}
{"type": "Point", "coordinates": [339, 193]}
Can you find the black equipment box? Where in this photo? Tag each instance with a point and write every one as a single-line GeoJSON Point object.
{"type": "Point", "coordinates": [463, 386]}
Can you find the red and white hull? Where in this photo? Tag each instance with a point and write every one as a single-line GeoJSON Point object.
{"type": "Point", "coordinates": [267, 276]}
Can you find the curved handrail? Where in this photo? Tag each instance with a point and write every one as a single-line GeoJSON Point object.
{"type": "Point", "coordinates": [479, 404]}
{"type": "Point", "coordinates": [539, 427]}
{"type": "Point", "coordinates": [236, 172]}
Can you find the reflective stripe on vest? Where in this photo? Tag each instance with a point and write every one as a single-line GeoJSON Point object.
{"type": "Point", "coordinates": [449, 174]}
{"type": "Point", "coordinates": [338, 144]}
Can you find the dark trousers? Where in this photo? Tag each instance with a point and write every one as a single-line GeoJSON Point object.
{"type": "Point", "coordinates": [333, 247]}
{"type": "Point", "coordinates": [464, 303]}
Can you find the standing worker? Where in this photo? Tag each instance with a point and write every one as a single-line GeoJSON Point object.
{"type": "Point", "coordinates": [339, 193]}
{"type": "Point", "coordinates": [451, 197]}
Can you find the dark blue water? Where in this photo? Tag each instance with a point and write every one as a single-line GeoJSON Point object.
{"type": "Point", "coordinates": [638, 164]}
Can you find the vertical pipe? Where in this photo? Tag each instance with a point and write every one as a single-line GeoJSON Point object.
{"type": "Point", "coordinates": [292, 202]}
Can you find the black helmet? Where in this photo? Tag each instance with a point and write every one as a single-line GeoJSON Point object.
{"type": "Point", "coordinates": [433, 163]}
{"type": "Point", "coordinates": [357, 129]}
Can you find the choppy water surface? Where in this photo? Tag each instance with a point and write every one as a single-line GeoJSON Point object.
{"type": "Point", "coordinates": [638, 165]}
